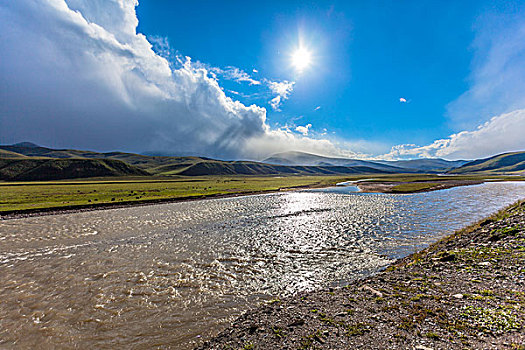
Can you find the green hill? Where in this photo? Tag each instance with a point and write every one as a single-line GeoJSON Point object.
{"type": "Point", "coordinates": [294, 158]}
{"type": "Point", "coordinates": [9, 154]}
{"type": "Point", "coordinates": [27, 161]}
{"type": "Point", "coordinates": [157, 165]}
{"type": "Point", "coordinates": [186, 166]}
{"type": "Point", "coordinates": [506, 163]}
{"type": "Point", "coordinates": [31, 169]}
{"type": "Point", "coordinates": [427, 164]}
{"type": "Point", "coordinates": [254, 168]}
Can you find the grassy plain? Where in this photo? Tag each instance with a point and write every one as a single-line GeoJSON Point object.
{"type": "Point", "coordinates": [21, 196]}
{"type": "Point", "coordinates": [34, 196]}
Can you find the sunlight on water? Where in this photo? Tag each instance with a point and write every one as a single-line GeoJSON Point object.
{"type": "Point", "coordinates": [173, 274]}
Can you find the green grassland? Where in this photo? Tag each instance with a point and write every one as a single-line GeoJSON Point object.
{"type": "Point", "coordinates": [34, 196]}
{"type": "Point", "coordinates": [20, 196]}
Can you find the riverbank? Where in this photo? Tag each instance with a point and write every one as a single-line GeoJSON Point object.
{"type": "Point", "coordinates": [17, 214]}
{"type": "Point", "coordinates": [413, 186]}
{"type": "Point", "coordinates": [465, 291]}
{"type": "Point", "coordinates": [18, 200]}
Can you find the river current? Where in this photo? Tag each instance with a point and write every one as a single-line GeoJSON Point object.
{"type": "Point", "coordinates": [171, 275]}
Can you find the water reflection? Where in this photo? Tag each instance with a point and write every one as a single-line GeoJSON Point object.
{"type": "Point", "coordinates": [168, 275]}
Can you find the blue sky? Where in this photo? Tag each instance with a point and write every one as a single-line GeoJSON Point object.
{"type": "Point", "coordinates": [456, 65]}
{"type": "Point", "coordinates": [367, 56]}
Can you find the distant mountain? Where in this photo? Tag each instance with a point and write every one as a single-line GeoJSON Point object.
{"type": "Point", "coordinates": [506, 163]}
{"type": "Point", "coordinates": [50, 163]}
{"type": "Point", "coordinates": [400, 166]}
{"type": "Point", "coordinates": [302, 158]}
{"type": "Point", "coordinates": [26, 145]}
{"type": "Point", "coordinates": [31, 169]}
{"type": "Point", "coordinates": [27, 161]}
{"type": "Point", "coordinates": [8, 154]}
{"type": "Point", "coordinates": [427, 164]}
{"type": "Point", "coordinates": [152, 164]}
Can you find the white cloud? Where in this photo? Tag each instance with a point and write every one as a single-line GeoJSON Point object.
{"type": "Point", "coordinates": [161, 46]}
{"type": "Point", "coordinates": [317, 108]}
{"type": "Point", "coordinates": [281, 140]}
{"type": "Point", "coordinates": [236, 74]}
{"type": "Point", "coordinates": [255, 70]}
{"type": "Point", "coordinates": [402, 100]}
{"type": "Point", "coordinates": [303, 129]}
{"type": "Point", "coordinates": [283, 89]}
{"type": "Point", "coordinates": [500, 134]}
{"type": "Point", "coordinates": [77, 74]}
{"type": "Point", "coordinates": [497, 80]}
{"type": "Point", "coordinates": [275, 102]}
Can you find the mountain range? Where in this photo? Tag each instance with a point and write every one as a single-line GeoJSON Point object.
{"type": "Point", "coordinates": [414, 165]}
{"type": "Point", "coordinates": [26, 161]}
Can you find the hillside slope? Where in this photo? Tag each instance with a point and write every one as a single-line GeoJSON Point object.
{"type": "Point", "coordinates": [31, 169]}
{"type": "Point", "coordinates": [254, 168]}
{"type": "Point", "coordinates": [190, 166]}
{"type": "Point", "coordinates": [434, 165]}
{"type": "Point", "coordinates": [513, 163]}
{"type": "Point", "coordinates": [307, 159]}
{"type": "Point", "coordinates": [427, 164]}
{"type": "Point", "coordinates": [157, 165]}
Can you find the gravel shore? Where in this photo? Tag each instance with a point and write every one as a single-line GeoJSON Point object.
{"type": "Point", "coordinates": [466, 291]}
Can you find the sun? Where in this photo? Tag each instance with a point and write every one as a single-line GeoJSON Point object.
{"type": "Point", "coordinates": [301, 59]}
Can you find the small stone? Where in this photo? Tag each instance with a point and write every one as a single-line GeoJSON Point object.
{"type": "Point", "coordinates": [446, 256]}
{"type": "Point", "coordinates": [372, 290]}
{"type": "Point", "coordinates": [422, 347]}
{"type": "Point", "coordinates": [485, 263]}
{"type": "Point", "coordinates": [458, 296]}
{"type": "Point", "coordinates": [319, 339]}
{"type": "Point", "coordinates": [296, 323]}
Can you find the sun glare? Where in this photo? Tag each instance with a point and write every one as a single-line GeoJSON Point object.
{"type": "Point", "coordinates": [301, 59]}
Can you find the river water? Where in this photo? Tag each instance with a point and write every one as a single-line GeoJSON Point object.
{"type": "Point", "coordinates": [171, 275]}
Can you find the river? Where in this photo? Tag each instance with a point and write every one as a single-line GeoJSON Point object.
{"type": "Point", "coordinates": [171, 275]}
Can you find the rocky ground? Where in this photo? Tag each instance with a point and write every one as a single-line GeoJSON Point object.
{"type": "Point", "coordinates": [467, 291]}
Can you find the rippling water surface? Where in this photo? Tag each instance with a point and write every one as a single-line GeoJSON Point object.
{"type": "Point", "coordinates": [170, 275]}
